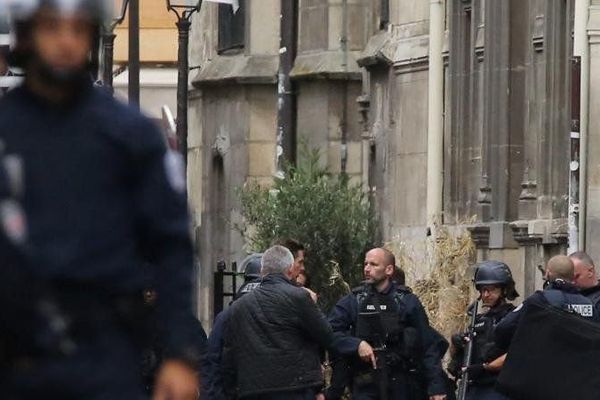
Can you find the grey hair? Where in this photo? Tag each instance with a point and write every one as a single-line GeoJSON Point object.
{"type": "Point", "coordinates": [583, 257]}
{"type": "Point", "coordinates": [276, 260]}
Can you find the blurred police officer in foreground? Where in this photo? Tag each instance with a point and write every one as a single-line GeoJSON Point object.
{"type": "Point", "coordinates": [559, 292]}
{"type": "Point", "coordinates": [494, 282]}
{"type": "Point", "coordinates": [103, 196]}
{"type": "Point", "coordinates": [388, 328]}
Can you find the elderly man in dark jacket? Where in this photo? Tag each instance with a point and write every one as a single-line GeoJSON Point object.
{"type": "Point", "coordinates": [273, 337]}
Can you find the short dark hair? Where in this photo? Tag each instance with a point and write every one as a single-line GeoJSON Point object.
{"type": "Point", "coordinates": [293, 245]}
{"type": "Point", "coordinates": [399, 276]}
{"type": "Point", "coordinates": [583, 257]}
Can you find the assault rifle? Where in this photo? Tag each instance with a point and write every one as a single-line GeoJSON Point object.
{"type": "Point", "coordinates": [464, 381]}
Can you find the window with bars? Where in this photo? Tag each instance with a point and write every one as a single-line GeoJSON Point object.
{"type": "Point", "coordinates": [232, 28]}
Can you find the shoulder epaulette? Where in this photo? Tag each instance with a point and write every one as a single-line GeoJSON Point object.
{"type": "Point", "coordinates": [404, 289]}
{"type": "Point", "coordinates": [358, 289]}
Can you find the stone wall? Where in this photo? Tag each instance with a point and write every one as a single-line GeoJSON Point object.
{"type": "Point", "coordinates": [362, 90]}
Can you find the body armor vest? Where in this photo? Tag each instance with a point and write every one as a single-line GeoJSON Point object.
{"type": "Point", "coordinates": [483, 345]}
{"type": "Point", "coordinates": [576, 304]}
{"type": "Point", "coordinates": [378, 320]}
{"type": "Point", "coordinates": [380, 323]}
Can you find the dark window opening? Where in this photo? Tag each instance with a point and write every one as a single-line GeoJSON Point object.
{"type": "Point", "coordinates": [232, 26]}
{"type": "Point", "coordinates": [384, 14]}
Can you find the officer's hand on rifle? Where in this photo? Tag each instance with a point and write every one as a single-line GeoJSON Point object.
{"type": "Point", "coordinates": [475, 371]}
{"type": "Point", "coordinates": [497, 364]}
{"type": "Point", "coordinates": [366, 353]}
{"type": "Point", "coordinates": [459, 340]}
{"type": "Point", "coordinates": [176, 381]}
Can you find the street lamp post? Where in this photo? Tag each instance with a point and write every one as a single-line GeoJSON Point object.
{"type": "Point", "coordinates": [108, 41]}
{"type": "Point", "coordinates": [183, 9]}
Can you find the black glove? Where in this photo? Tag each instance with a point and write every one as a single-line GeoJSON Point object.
{"type": "Point", "coordinates": [458, 341]}
{"type": "Point", "coordinates": [475, 371]}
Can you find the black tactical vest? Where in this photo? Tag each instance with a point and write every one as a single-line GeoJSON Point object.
{"type": "Point", "coordinates": [379, 317]}
{"type": "Point", "coordinates": [483, 345]}
{"type": "Point", "coordinates": [571, 302]}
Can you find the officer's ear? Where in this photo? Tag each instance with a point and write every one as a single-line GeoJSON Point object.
{"type": "Point", "coordinates": [389, 270]}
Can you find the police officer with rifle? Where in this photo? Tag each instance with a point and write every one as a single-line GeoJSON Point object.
{"type": "Point", "coordinates": [387, 325]}
{"type": "Point", "coordinates": [475, 357]}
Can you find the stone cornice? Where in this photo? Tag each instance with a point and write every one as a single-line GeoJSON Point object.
{"type": "Point", "coordinates": [327, 64]}
{"type": "Point", "coordinates": [593, 27]}
{"type": "Point", "coordinates": [540, 231]}
{"type": "Point", "coordinates": [480, 234]}
{"type": "Point", "coordinates": [238, 68]}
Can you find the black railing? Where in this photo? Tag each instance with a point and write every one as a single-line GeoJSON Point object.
{"type": "Point", "coordinates": [221, 276]}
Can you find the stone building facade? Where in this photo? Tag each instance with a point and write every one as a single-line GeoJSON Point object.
{"type": "Point", "coordinates": [361, 76]}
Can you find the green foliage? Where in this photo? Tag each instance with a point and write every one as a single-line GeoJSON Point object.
{"type": "Point", "coordinates": [328, 214]}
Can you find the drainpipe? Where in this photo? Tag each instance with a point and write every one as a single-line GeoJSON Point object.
{"type": "Point", "coordinates": [286, 94]}
{"type": "Point", "coordinates": [581, 49]}
{"type": "Point", "coordinates": [574, 167]}
{"type": "Point", "coordinates": [435, 133]}
{"type": "Point", "coordinates": [344, 117]}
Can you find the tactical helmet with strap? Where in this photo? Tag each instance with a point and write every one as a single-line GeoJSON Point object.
{"type": "Point", "coordinates": [496, 273]}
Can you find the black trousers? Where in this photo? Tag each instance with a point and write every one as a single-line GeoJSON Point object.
{"type": "Point", "coordinates": [304, 394]}
{"type": "Point", "coordinates": [484, 393]}
{"type": "Point", "coordinates": [105, 367]}
{"type": "Point", "coordinates": [399, 388]}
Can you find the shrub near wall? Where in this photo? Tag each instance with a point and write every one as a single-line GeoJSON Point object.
{"type": "Point", "coordinates": [330, 215]}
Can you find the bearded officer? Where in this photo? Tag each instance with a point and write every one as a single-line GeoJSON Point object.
{"type": "Point", "coordinates": [382, 315]}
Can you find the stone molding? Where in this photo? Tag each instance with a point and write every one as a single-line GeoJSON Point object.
{"type": "Point", "coordinates": [327, 64]}
{"type": "Point", "coordinates": [480, 234]}
{"type": "Point", "coordinates": [540, 231]}
{"type": "Point", "coordinates": [238, 68]}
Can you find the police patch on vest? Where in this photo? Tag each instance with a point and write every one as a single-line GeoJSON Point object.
{"type": "Point", "coordinates": [174, 170]}
{"type": "Point", "coordinates": [585, 310]}
{"type": "Point", "coordinates": [371, 307]}
{"type": "Point", "coordinates": [250, 287]}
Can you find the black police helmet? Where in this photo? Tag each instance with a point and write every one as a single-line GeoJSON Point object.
{"type": "Point", "coordinates": [22, 12]}
{"type": "Point", "coordinates": [495, 273]}
{"type": "Point", "coordinates": [251, 266]}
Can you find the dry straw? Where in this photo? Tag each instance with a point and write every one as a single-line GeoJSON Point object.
{"type": "Point", "coordinates": [437, 269]}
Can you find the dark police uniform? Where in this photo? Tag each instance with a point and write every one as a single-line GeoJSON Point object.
{"type": "Point", "coordinates": [212, 379]}
{"type": "Point", "coordinates": [593, 294]}
{"type": "Point", "coordinates": [102, 196]}
{"type": "Point", "coordinates": [482, 382]}
{"type": "Point", "coordinates": [559, 293]}
{"type": "Point", "coordinates": [410, 342]}
{"type": "Point", "coordinates": [247, 287]}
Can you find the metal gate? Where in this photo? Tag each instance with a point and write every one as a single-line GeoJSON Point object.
{"type": "Point", "coordinates": [225, 285]}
